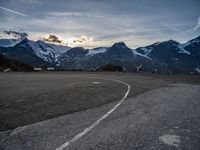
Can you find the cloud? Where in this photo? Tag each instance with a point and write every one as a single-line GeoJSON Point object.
{"type": "Point", "coordinates": [105, 21]}
{"type": "Point", "coordinates": [16, 34]}
{"type": "Point", "coordinates": [53, 39]}
{"type": "Point", "coordinates": [83, 40]}
{"type": "Point", "coordinates": [12, 11]}
{"type": "Point", "coordinates": [198, 24]}
{"type": "Point", "coordinates": [30, 1]}
{"type": "Point", "coordinates": [77, 14]}
{"type": "Point", "coordinates": [71, 41]}
{"type": "Point", "coordinates": [170, 27]}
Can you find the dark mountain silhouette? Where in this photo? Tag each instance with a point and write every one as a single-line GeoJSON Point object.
{"type": "Point", "coordinates": [164, 57]}
{"type": "Point", "coordinates": [13, 65]}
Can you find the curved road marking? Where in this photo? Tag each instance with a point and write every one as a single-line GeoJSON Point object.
{"type": "Point", "coordinates": [95, 82]}
{"type": "Point", "coordinates": [79, 135]}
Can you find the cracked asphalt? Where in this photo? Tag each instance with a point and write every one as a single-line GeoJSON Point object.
{"type": "Point", "coordinates": [159, 113]}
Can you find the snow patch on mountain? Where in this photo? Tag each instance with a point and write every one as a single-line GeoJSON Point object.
{"type": "Point", "coordinates": [142, 55]}
{"type": "Point", "coordinates": [182, 49]}
{"type": "Point", "coordinates": [95, 51]}
{"type": "Point", "coordinates": [192, 42]}
{"type": "Point", "coordinates": [46, 51]}
{"type": "Point", "coordinates": [198, 70]}
{"type": "Point", "coordinates": [157, 43]}
{"type": "Point", "coordinates": [146, 52]}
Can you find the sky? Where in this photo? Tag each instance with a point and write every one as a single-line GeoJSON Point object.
{"type": "Point", "coordinates": [95, 23]}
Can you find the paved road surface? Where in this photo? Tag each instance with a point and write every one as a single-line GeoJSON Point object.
{"type": "Point", "coordinates": [162, 118]}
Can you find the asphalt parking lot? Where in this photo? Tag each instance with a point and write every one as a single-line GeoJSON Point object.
{"type": "Point", "coordinates": [62, 104]}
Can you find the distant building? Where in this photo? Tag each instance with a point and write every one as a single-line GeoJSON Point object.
{"type": "Point", "coordinates": [91, 69]}
{"type": "Point", "coordinates": [155, 70]}
{"type": "Point", "coordinates": [7, 70]}
{"type": "Point", "coordinates": [50, 68]}
{"type": "Point", "coordinates": [124, 69]}
{"type": "Point", "coordinates": [110, 67]}
{"type": "Point", "coordinates": [37, 69]}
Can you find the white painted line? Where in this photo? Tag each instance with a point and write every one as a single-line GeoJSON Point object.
{"type": "Point", "coordinates": [172, 140]}
{"type": "Point", "coordinates": [6, 105]}
{"type": "Point", "coordinates": [75, 138]}
{"type": "Point", "coordinates": [20, 100]}
{"type": "Point", "coordinates": [95, 82]}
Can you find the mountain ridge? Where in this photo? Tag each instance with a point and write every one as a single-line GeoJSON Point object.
{"type": "Point", "coordinates": [166, 56]}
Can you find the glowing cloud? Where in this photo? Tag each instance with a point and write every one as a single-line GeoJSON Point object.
{"type": "Point", "coordinates": [53, 39]}
{"type": "Point", "coordinates": [83, 40]}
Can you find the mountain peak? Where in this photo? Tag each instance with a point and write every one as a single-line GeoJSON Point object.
{"type": "Point", "coordinates": [119, 48]}
{"type": "Point", "coordinates": [25, 40]}
{"type": "Point", "coordinates": [119, 44]}
{"type": "Point", "coordinates": [171, 41]}
{"type": "Point", "coordinates": [197, 39]}
{"type": "Point", "coordinates": [40, 41]}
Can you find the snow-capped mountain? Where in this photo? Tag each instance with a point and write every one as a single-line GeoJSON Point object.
{"type": "Point", "coordinates": [47, 51]}
{"type": "Point", "coordinates": [23, 52]}
{"type": "Point", "coordinates": [174, 56]}
{"type": "Point", "coordinates": [167, 56]}
{"type": "Point", "coordinates": [71, 58]}
{"type": "Point", "coordinates": [145, 51]}
{"type": "Point", "coordinates": [118, 54]}
{"type": "Point", "coordinates": [170, 46]}
{"type": "Point", "coordinates": [119, 49]}
{"type": "Point", "coordinates": [193, 46]}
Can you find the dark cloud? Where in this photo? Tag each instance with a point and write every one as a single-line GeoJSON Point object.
{"type": "Point", "coordinates": [104, 20]}
{"type": "Point", "coordinates": [16, 34]}
{"type": "Point", "coordinates": [52, 38]}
